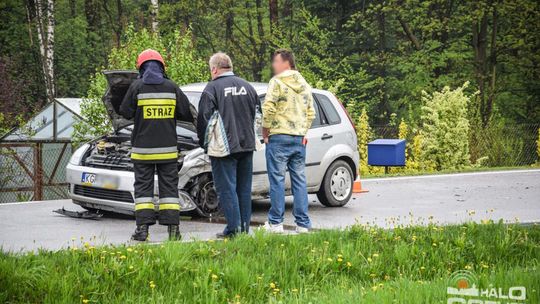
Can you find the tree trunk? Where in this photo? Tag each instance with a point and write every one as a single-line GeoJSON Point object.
{"type": "Point", "coordinates": [482, 65]}
{"type": "Point", "coordinates": [45, 31]}
{"type": "Point", "coordinates": [229, 22]}
{"type": "Point", "coordinates": [409, 33]}
{"type": "Point", "coordinates": [273, 8]}
{"type": "Point", "coordinates": [154, 8]}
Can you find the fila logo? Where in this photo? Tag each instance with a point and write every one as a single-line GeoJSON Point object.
{"type": "Point", "coordinates": [234, 91]}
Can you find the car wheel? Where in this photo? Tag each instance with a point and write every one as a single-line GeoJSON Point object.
{"type": "Point", "coordinates": [206, 197]}
{"type": "Point", "coordinates": [337, 185]}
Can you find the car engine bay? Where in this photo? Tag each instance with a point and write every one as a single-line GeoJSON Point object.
{"type": "Point", "coordinates": [113, 152]}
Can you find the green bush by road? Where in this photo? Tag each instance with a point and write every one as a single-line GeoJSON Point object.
{"type": "Point", "coordinates": [360, 264]}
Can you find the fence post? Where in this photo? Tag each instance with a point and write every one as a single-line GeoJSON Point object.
{"type": "Point", "coordinates": [38, 173]}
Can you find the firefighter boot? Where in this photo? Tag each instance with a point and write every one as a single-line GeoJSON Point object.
{"type": "Point", "coordinates": [174, 232]}
{"type": "Point", "coordinates": [141, 233]}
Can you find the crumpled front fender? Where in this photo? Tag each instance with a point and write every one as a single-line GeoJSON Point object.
{"type": "Point", "coordinates": [195, 162]}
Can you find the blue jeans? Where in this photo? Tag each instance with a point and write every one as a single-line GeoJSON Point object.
{"type": "Point", "coordinates": [232, 179]}
{"type": "Point", "coordinates": [287, 152]}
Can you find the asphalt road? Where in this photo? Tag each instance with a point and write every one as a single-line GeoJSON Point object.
{"type": "Point", "coordinates": [444, 199]}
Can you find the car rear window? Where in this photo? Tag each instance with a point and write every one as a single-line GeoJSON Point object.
{"type": "Point", "coordinates": [328, 107]}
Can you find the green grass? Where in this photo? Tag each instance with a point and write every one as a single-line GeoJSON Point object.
{"type": "Point", "coordinates": [358, 265]}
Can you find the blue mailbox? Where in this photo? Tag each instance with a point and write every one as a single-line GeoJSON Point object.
{"type": "Point", "coordinates": [386, 152]}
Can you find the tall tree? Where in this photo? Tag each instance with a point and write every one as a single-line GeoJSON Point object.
{"type": "Point", "coordinates": [273, 9]}
{"type": "Point", "coordinates": [45, 32]}
{"type": "Point", "coordinates": [154, 9]}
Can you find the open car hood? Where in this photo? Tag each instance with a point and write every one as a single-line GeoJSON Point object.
{"type": "Point", "coordinates": [118, 83]}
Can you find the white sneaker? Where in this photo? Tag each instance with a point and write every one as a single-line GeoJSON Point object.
{"type": "Point", "coordinates": [272, 228]}
{"type": "Point", "coordinates": [300, 229]}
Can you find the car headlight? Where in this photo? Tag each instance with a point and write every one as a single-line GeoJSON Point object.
{"type": "Point", "coordinates": [78, 154]}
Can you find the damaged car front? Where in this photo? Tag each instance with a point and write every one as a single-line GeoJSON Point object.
{"type": "Point", "coordinates": [100, 173]}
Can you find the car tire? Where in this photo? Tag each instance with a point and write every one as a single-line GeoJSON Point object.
{"type": "Point", "coordinates": [337, 185]}
{"type": "Point", "coordinates": [206, 197]}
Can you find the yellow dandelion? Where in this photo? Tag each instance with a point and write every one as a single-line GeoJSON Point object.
{"type": "Point", "coordinates": [123, 257]}
{"type": "Point", "coordinates": [237, 296]}
{"type": "Point", "coordinates": [131, 267]}
{"type": "Point", "coordinates": [375, 255]}
{"type": "Point", "coordinates": [273, 285]}
{"type": "Point", "coordinates": [214, 276]}
{"type": "Point", "coordinates": [294, 290]}
{"type": "Point", "coordinates": [152, 284]}
{"type": "Point", "coordinates": [349, 264]}
{"type": "Point", "coordinates": [374, 287]}
{"type": "Point", "coordinates": [85, 301]}
{"type": "Point", "coordinates": [369, 260]}
{"type": "Point", "coordinates": [282, 245]}
{"type": "Point", "coordinates": [339, 260]}
{"type": "Point", "coordinates": [329, 259]}
{"type": "Point", "coordinates": [129, 249]}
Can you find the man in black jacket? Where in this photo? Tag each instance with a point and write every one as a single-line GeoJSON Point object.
{"type": "Point", "coordinates": [155, 103]}
{"type": "Point", "coordinates": [237, 103]}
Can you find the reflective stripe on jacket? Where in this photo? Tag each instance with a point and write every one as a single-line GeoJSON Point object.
{"type": "Point", "coordinates": [155, 109]}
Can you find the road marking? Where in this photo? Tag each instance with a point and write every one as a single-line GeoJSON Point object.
{"type": "Point", "coordinates": [380, 179]}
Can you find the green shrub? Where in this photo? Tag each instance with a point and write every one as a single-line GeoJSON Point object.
{"type": "Point", "coordinates": [445, 129]}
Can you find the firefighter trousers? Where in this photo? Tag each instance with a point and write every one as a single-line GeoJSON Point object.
{"type": "Point", "coordinates": [169, 206]}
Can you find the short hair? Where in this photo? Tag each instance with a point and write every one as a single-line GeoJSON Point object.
{"type": "Point", "coordinates": [220, 60]}
{"type": "Point", "coordinates": [286, 55]}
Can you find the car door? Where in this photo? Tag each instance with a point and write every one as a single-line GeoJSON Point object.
{"type": "Point", "coordinates": [320, 140]}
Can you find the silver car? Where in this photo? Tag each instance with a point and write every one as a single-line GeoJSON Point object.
{"type": "Point", "coordinates": [100, 173]}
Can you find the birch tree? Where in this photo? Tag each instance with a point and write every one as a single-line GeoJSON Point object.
{"type": "Point", "coordinates": [45, 33]}
{"type": "Point", "coordinates": [154, 8]}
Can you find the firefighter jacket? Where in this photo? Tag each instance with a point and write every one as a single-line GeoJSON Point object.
{"type": "Point", "coordinates": [155, 109]}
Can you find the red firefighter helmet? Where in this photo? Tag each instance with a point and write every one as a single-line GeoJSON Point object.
{"type": "Point", "coordinates": [149, 54]}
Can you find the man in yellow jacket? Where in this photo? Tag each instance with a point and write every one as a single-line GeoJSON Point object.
{"type": "Point", "coordinates": [287, 116]}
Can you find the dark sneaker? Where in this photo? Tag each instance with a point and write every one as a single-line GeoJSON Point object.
{"type": "Point", "coordinates": [221, 235]}
{"type": "Point", "coordinates": [140, 234]}
{"type": "Point", "coordinates": [174, 232]}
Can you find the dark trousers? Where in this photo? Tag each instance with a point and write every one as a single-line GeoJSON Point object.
{"type": "Point", "coordinates": [169, 207]}
{"type": "Point", "coordinates": [232, 179]}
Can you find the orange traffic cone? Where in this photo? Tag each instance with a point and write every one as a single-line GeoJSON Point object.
{"type": "Point", "coordinates": [357, 186]}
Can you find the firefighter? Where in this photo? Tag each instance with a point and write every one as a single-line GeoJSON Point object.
{"type": "Point", "coordinates": [155, 103]}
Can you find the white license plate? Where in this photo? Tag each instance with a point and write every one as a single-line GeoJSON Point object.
{"type": "Point", "coordinates": [101, 181]}
{"type": "Point", "coordinates": [88, 178]}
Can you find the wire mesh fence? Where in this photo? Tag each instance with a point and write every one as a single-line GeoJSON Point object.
{"type": "Point", "coordinates": [33, 171]}
{"type": "Point", "coordinates": [494, 146]}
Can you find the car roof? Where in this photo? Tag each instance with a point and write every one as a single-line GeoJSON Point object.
{"type": "Point", "coordinates": [260, 87]}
